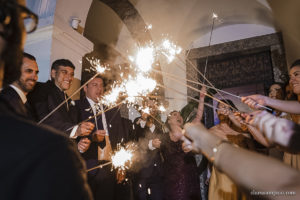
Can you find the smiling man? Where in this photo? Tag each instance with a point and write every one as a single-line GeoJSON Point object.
{"type": "Point", "coordinates": [47, 96]}
{"type": "Point", "coordinates": [16, 92]}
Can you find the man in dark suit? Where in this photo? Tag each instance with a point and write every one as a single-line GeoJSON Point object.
{"type": "Point", "coordinates": [36, 163]}
{"type": "Point", "coordinates": [109, 131]}
{"type": "Point", "coordinates": [47, 96]}
{"type": "Point", "coordinates": [149, 177]}
{"type": "Point", "coordinates": [15, 93]}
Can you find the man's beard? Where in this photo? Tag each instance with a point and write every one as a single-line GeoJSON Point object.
{"type": "Point", "coordinates": [23, 85]}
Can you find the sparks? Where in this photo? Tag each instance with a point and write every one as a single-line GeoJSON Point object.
{"type": "Point", "coordinates": [96, 65]}
{"type": "Point", "coordinates": [139, 86]}
{"type": "Point", "coordinates": [149, 27]}
{"type": "Point", "coordinates": [146, 110]}
{"type": "Point", "coordinates": [144, 58]}
{"type": "Point", "coordinates": [123, 157]}
{"type": "Point", "coordinates": [169, 49]}
{"type": "Point", "coordinates": [162, 108]}
{"type": "Point", "coordinates": [214, 16]}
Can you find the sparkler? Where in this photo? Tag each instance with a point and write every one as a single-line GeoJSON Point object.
{"type": "Point", "coordinates": [169, 49]}
{"type": "Point", "coordinates": [121, 158]}
{"type": "Point", "coordinates": [144, 58]}
{"type": "Point", "coordinates": [161, 108]}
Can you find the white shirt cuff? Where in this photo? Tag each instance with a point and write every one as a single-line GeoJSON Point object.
{"type": "Point", "coordinates": [72, 135]}
{"type": "Point", "coordinates": [151, 147]}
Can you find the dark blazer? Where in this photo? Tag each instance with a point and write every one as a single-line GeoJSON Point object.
{"type": "Point", "coordinates": [151, 161]}
{"type": "Point", "coordinates": [45, 98]}
{"type": "Point", "coordinates": [118, 131]}
{"type": "Point", "coordinates": [15, 103]}
{"type": "Point", "coordinates": [45, 160]}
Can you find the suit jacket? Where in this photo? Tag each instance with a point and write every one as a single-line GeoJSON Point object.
{"type": "Point", "coordinates": [38, 150]}
{"type": "Point", "coordinates": [15, 103]}
{"type": "Point", "coordinates": [151, 161]}
{"type": "Point", "coordinates": [45, 98]}
{"type": "Point", "coordinates": [118, 131]}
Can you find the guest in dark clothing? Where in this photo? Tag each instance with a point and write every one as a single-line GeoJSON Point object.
{"type": "Point", "coordinates": [108, 132]}
{"type": "Point", "coordinates": [36, 162]}
{"type": "Point", "coordinates": [47, 96]}
{"type": "Point", "coordinates": [15, 93]}
{"type": "Point", "coordinates": [148, 180]}
{"type": "Point", "coordinates": [181, 181]}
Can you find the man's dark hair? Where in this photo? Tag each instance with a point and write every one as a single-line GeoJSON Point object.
{"type": "Point", "coordinates": [88, 77]}
{"type": "Point", "coordinates": [295, 63]}
{"type": "Point", "coordinates": [62, 62]}
{"type": "Point", "coordinates": [29, 56]}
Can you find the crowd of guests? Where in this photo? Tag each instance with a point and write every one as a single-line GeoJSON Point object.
{"type": "Point", "coordinates": [251, 155]}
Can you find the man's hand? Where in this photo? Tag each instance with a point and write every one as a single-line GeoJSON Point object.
{"type": "Point", "coordinates": [156, 143]}
{"type": "Point", "coordinates": [83, 145]}
{"type": "Point", "coordinates": [99, 135]}
{"type": "Point", "coordinates": [85, 129]}
{"type": "Point", "coordinates": [121, 174]}
{"type": "Point", "coordinates": [255, 101]}
{"type": "Point", "coordinates": [193, 137]}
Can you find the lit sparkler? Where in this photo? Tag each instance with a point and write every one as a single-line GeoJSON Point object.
{"type": "Point", "coordinates": [120, 159]}
{"type": "Point", "coordinates": [96, 65]}
{"type": "Point", "coordinates": [149, 27]}
{"type": "Point", "coordinates": [144, 58]}
{"type": "Point", "coordinates": [169, 49]}
{"type": "Point", "coordinates": [161, 108]}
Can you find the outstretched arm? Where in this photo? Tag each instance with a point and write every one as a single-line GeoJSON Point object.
{"type": "Point", "coordinates": [254, 171]}
{"type": "Point", "coordinates": [199, 115]}
{"type": "Point", "coordinates": [256, 101]}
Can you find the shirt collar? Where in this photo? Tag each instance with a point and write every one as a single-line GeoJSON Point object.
{"type": "Point", "coordinates": [20, 93]}
{"type": "Point", "coordinates": [91, 102]}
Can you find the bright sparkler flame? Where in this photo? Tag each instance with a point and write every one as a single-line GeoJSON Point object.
{"type": "Point", "coordinates": [146, 110]}
{"type": "Point", "coordinates": [215, 16]}
{"type": "Point", "coordinates": [139, 86]}
{"type": "Point", "coordinates": [112, 97]}
{"type": "Point", "coordinates": [149, 27]}
{"type": "Point", "coordinates": [122, 157]}
{"type": "Point", "coordinates": [144, 58]}
{"type": "Point", "coordinates": [162, 108]}
{"type": "Point", "coordinates": [169, 49]}
{"type": "Point", "coordinates": [96, 64]}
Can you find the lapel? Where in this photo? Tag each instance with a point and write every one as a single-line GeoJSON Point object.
{"type": "Point", "coordinates": [56, 96]}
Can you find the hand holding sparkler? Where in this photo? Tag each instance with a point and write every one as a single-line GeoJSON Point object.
{"type": "Point", "coordinates": [83, 145]}
{"type": "Point", "coordinates": [85, 128]}
{"type": "Point", "coordinates": [120, 176]}
{"type": "Point", "coordinates": [156, 143]}
{"type": "Point", "coordinates": [99, 135]}
{"type": "Point", "coordinates": [256, 101]}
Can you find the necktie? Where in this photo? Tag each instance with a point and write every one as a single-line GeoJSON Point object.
{"type": "Point", "coordinates": [65, 95]}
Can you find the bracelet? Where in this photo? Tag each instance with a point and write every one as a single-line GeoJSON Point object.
{"type": "Point", "coordinates": [215, 149]}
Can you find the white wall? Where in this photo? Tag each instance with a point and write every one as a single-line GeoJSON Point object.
{"type": "Point", "coordinates": [59, 40]}
{"type": "Point", "coordinates": [231, 33]}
